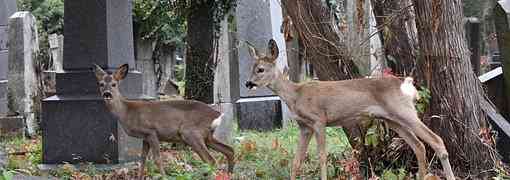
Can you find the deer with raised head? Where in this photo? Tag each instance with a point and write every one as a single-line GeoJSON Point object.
{"type": "Point", "coordinates": [187, 121]}
{"type": "Point", "coordinates": [318, 104]}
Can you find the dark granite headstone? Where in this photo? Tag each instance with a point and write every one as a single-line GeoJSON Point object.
{"type": "Point", "coordinates": [501, 22]}
{"type": "Point", "coordinates": [76, 124]}
{"type": "Point", "coordinates": [254, 26]}
{"type": "Point", "coordinates": [257, 23]}
{"type": "Point", "coordinates": [7, 8]}
{"type": "Point", "coordinates": [261, 114]}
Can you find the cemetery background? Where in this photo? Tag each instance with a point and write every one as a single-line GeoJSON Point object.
{"type": "Point", "coordinates": [159, 58]}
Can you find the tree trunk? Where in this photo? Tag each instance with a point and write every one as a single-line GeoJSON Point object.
{"type": "Point", "coordinates": [315, 27]}
{"type": "Point", "coordinates": [199, 52]}
{"type": "Point", "coordinates": [444, 63]}
{"type": "Point", "coordinates": [397, 28]}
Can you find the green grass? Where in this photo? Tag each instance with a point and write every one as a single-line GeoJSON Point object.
{"type": "Point", "coordinates": [259, 155]}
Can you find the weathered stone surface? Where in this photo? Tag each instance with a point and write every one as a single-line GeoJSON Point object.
{"type": "Point", "coordinates": [3, 37]}
{"type": "Point", "coordinates": [76, 125]}
{"type": "Point", "coordinates": [145, 64]}
{"type": "Point", "coordinates": [257, 22]}
{"type": "Point", "coordinates": [254, 26]}
{"type": "Point", "coordinates": [57, 51]}
{"type": "Point", "coordinates": [80, 129]}
{"type": "Point", "coordinates": [167, 64]}
{"type": "Point", "coordinates": [98, 31]}
{"type": "Point", "coordinates": [259, 113]}
{"type": "Point", "coordinates": [3, 97]}
{"type": "Point", "coordinates": [76, 83]}
{"type": "Point", "coordinates": [11, 125]}
{"type": "Point", "coordinates": [224, 131]}
{"type": "Point", "coordinates": [7, 8]}
{"type": "Point", "coordinates": [23, 87]}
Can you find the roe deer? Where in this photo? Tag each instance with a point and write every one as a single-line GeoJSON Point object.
{"type": "Point", "coordinates": [187, 121]}
{"type": "Point", "coordinates": [318, 104]}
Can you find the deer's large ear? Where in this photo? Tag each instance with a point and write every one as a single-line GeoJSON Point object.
{"type": "Point", "coordinates": [122, 72]}
{"type": "Point", "coordinates": [98, 71]}
{"type": "Point", "coordinates": [252, 50]}
{"type": "Point", "coordinates": [273, 49]}
{"type": "Point", "coordinates": [286, 72]}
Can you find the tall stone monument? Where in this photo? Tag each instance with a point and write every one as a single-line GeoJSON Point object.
{"type": "Point", "coordinates": [7, 8]}
{"type": "Point", "coordinates": [76, 125]}
{"type": "Point", "coordinates": [257, 23]}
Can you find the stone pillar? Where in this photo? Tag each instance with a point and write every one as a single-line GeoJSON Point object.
{"type": "Point", "coordinates": [473, 35]}
{"type": "Point", "coordinates": [224, 82]}
{"type": "Point", "coordinates": [7, 8]}
{"type": "Point", "coordinates": [23, 88]}
{"type": "Point", "coordinates": [57, 51]}
{"type": "Point", "coordinates": [76, 125]}
{"type": "Point", "coordinates": [167, 66]}
{"type": "Point", "coordinates": [145, 64]}
{"type": "Point", "coordinates": [257, 23]}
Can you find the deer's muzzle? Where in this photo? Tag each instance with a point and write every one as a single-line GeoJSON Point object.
{"type": "Point", "coordinates": [107, 95]}
{"type": "Point", "coordinates": [250, 85]}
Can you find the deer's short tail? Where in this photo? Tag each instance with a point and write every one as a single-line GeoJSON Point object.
{"type": "Point", "coordinates": [216, 122]}
{"type": "Point", "coordinates": [408, 88]}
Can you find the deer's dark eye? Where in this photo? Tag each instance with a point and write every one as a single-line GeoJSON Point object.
{"type": "Point", "coordinates": [260, 70]}
{"type": "Point", "coordinates": [113, 85]}
{"type": "Point", "coordinates": [101, 84]}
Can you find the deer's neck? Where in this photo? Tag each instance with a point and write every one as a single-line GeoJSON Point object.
{"type": "Point", "coordinates": [284, 88]}
{"type": "Point", "coordinates": [117, 106]}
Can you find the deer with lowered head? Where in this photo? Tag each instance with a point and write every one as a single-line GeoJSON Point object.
{"type": "Point", "coordinates": [319, 104]}
{"type": "Point", "coordinates": [186, 121]}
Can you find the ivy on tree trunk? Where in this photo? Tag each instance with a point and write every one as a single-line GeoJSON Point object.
{"type": "Point", "coordinates": [200, 52]}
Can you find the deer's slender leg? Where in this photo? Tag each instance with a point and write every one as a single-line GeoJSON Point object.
{"type": "Point", "coordinates": [145, 152]}
{"type": "Point", "coordinates": [225, 150]}
{"type": "Point", "coordinates": [416, 145]}
{"type": "Point", "coordinates": [305, 135]}
{"type": "Point", "coordinates": [320, 136]}
{"type": "Point", "coordinates": [197, 143]}
{"type": "Point", "coordinates": [154, 146]}
{"type": "Point", "coordinates": [414, 124]}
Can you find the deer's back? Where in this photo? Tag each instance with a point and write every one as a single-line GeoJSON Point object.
{"type": "Point", "coordinates": [168, 118]}
{"type": "Point", "coordinates": [348, 99]}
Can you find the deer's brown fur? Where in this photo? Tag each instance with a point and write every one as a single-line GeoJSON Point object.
{"type": "Point", "coordinates": [187, 121]}
{"type": "Point", "coordinates": [318, 104]}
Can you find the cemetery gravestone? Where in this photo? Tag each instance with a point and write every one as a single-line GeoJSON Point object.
{"type": "Point", "coordinates": [502, 22]}
{"type": "Point", "coordinates": [76, 125]}
{"type": "Point", "coordinates": [23, 87]}
{"type": "Point", "coordinates": [225, 82]}
{"type": "Point", "coordinates": [7, 8]}
{"type": "Point", "coordinates": [257, 23]}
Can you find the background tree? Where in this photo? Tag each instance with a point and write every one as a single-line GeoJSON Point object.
{"type": "Point", "coordinates": [157, 24]}
{"type": "Point", "coordinates": [203, 17]}
{"type": "Point", "coordinates": [320, 38]}
{"type": "Point", "coordinates": [455, 110]}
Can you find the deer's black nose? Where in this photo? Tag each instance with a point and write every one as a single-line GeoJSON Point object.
{"type": "Point", "coordinates": [250, 84]}
{"type": "Point", "coordinates": [107, 95]}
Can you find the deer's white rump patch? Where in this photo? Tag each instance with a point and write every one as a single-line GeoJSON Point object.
{"type": "Point", "coordinates": [216, 122]}
{"type": "Point", "coordinates": [408, 88]}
